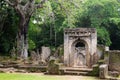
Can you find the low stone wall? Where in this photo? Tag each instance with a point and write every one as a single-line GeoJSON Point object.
{"type": "Point", "coordinates": [114, 60]}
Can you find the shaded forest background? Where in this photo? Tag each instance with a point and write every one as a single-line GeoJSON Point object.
{"type": "Point", "coordinates": [47, 24]}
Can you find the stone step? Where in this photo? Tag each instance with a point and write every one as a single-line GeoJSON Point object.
{"type": "Point", "coordinates": [12, 70]}
{"type": "Point", "coordinates": [75, 73]}
{"type": "Point", "coordinates": [79, 70]}
{"type": "Point", "coordinates": [76, 69]}
{"type": "Point", "coordinates": [32, 68]}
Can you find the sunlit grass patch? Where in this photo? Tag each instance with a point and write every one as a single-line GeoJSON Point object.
{"type": "Point", "coordinates": [32, 76]}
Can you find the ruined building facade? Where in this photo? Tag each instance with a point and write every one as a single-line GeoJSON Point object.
{"type": "Point", "coordinates": [80, 46]}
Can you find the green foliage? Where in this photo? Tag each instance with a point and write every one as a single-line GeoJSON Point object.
{"type": "Point", "coordinates": [31, 45]}
{"type": "Point", "coordinates": [8, 29]}
{"type": "Point", "coordinates": [98, 14]}
{"type": "Point", "coordinates": [116, 21]}
{"type": "Point", "coordinates": [103, 36]}
{"type": "Point", "coordinates": [48, 23]}
{"type": "Point", "coordinates": [59, 15]}
{"type": "Point", "coordinates": [51, 21]}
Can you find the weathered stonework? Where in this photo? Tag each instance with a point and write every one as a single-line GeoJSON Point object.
{"type": "Point", "coordinates": [80, 44]}
{"type": "Point", "coordinates": [45, 53]}
{"type": "Point", "coordinates": [114, 60]}
{"type": "Point", "coordinates": [103, 71]}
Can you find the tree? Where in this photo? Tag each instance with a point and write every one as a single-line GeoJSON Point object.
{"type": "Point", "coordinates": [25, 9]}
{"type": "Point", "coordinates": [98, 14]}
{"type": "Point", "coordinates": [51, 20]}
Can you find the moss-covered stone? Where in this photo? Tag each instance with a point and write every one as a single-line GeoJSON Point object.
{"type": "Point", "coordinates": [114, 60]}
{"type": "Point", "coordinates": [95, 71]}
{"type": "Point", "coordinates": [53, 68]}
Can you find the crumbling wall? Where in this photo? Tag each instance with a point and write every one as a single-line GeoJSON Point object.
{"type": "Point", "coordinates": [114, 60]}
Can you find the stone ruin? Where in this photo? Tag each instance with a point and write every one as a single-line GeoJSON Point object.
{"type": "Point", "coordinates": [82, 51]}
{"type": "Point", "coordinates": [45, 54]}
{"type": "Point", "coordinates": [80, 46]}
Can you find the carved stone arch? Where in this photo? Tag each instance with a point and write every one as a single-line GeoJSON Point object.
{"type": "Point", "coordinates": [77, 41]}
{"type": "Point", "coordinates": [79, 56]}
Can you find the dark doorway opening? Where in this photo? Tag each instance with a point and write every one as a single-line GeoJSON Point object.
{"type": "Point", "coordinates": [80, 44]}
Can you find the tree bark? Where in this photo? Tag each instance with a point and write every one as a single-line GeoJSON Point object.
{"type": "Point", "coordinates": [22, 38]}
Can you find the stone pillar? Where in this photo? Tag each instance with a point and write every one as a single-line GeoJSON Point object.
{"type": "Point", "coordinates": [106, 55]}
{"type": "Point", "coordinates": [66, 49]}
{"type": "Point", "coordinates": [103, 71]}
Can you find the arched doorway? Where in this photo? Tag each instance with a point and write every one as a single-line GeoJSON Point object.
{"type": "Point", "coordinates": [80, 51]}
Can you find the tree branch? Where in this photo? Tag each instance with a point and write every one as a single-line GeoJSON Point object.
{"type": "Point", "coordinates": [19, 9]}
{"type": "Point", "coordinates": [26, 6]}
{"type": "Point", "coordinates": [10, 3]}
{"type": "Point", "coordinates": [16, 6]}
{"type": "Point", "coordinates": [18, 1]}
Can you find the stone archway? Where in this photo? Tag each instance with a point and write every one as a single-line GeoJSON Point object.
{"type": "Point", "coordinates": [79, 46]}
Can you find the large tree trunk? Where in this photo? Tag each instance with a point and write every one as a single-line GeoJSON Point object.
{"type": "Point", "coordinates": [22, 46]}
{"type": "Point", "coordinates": [22, 39]}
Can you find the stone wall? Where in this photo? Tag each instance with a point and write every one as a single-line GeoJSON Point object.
{"type": "Point", "coordinates": [114, 60]}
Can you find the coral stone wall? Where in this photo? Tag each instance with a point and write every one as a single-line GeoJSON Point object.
{"type": "Point", "coordinates": [114, 60]}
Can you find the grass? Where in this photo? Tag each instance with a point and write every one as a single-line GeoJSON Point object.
{"type": "Point", "coordinates": [16, 76]}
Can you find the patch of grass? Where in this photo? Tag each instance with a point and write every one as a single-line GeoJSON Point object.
{"type": "Point", "coordinates": [11, 76]}
{"type": "Point", "coordinates": [8, 76]}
